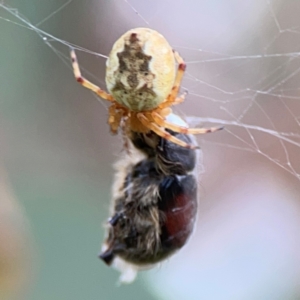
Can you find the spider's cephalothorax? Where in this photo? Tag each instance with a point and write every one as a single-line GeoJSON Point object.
{"type": "Point", "coordinates": [143, 84]}
{"type": "Point", "coordinates": [154, 201]}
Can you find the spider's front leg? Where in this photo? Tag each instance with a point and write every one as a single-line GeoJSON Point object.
{"type": "Point", "coordinates": [147, 121]}
{"type": "Point", "coordinates": [180, 72]}
{"type": "Point", "coordinates": [116, 113]}
{"type": "Point", "coordinates": [161, 121]}
{"type": "Point", "coordinates": [85, 82]}
{"type": "Point", "coordinates": [172, 98]}
{"type": "Point", "coordinates": [169, 102]}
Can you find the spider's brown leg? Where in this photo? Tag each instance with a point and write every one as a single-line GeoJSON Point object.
{"type": "Point", "coordinates": [161, 121]}
{"type": "Point", "coordinates": [161, 132]}
{"type": "Point", "coordinates": [179, 75]}
{"type": "Point", "coordinates": [87, 83]}
{"type": "Point", "coordinates": [176, 101]}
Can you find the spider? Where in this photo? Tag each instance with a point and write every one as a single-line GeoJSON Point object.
{"type": "Point", "coordinates": [142, 82]}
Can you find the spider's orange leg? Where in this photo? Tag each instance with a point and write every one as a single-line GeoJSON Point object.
{"type": "Point", "coordinates": [126, 135]}
{"type": "Point", "coordinates": [115, 117]}
{"type": "Point", "coordinates": [85, 82]}
{"type": "Point", "coordinates": [162, 133]}
{"type": "Point", "coordinates": [179, 75]}
{"type": "Point", "coordinates": [161, 121]}
{"type": "Point", "coordinates": [175, 101]}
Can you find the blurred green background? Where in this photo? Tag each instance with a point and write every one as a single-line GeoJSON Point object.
{"type": "Point", "coordinates": [53, 151]}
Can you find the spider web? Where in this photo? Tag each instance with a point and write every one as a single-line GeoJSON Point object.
{"type": "Point", "coordinates": [243, 73]}
{"type": "Point", "coordinates": [245, 78]}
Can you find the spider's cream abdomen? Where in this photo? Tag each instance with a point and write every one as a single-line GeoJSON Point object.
{"type": "Point", "coordinates": [140, 69]}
